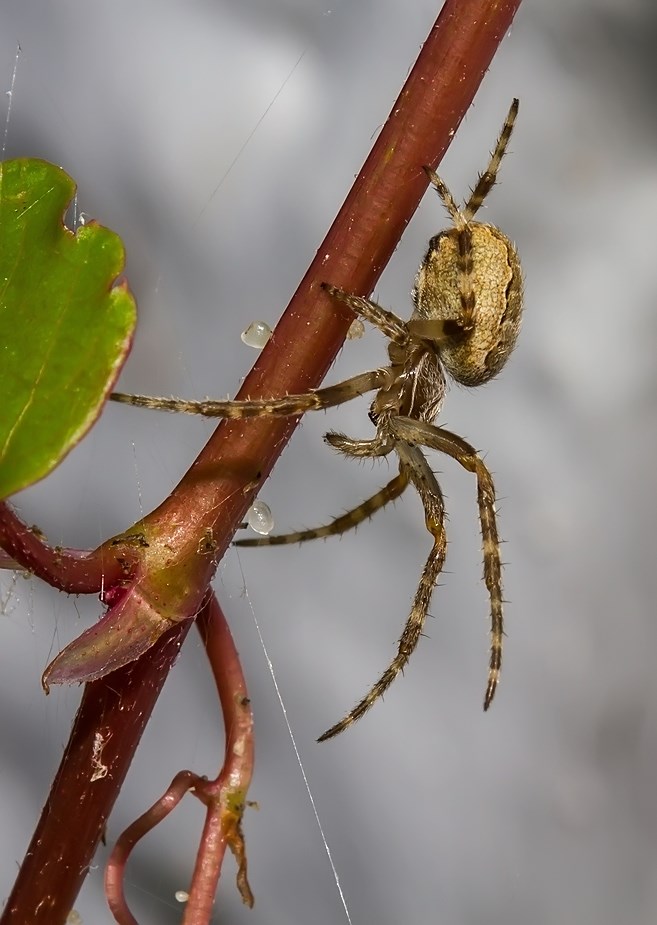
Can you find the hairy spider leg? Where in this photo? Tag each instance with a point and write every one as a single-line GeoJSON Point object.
{"type": "Point", "coordinates": [414, 464]}
{"type": "Point", "coordinates": [387, 322]}
{"type": "Point", "coordinates": [452, 445]}
{"type": "Point", "coordinates": [381, 445]}
{"type": "Point", "coordinates": [487, 179]}
{"type": "Point", "coordinates": [315, 400]}
{"type": "Point", "coordinates": [346, 521]}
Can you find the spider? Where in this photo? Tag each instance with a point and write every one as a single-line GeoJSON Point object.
{"type": "Point", "coordinates": [467, 310]}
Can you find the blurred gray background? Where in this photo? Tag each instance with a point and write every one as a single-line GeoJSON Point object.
{"type": "Point", "coordinates": [219, 139]}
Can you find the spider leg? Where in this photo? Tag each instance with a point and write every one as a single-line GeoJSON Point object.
{"type": "Point", "coordinates": [436, 330]}
{"type": "Point", "coordinates": [486, 181]}
{"type": "Point", "coordinates": [446, 442]}
{"type": "Point", "coordinates": [416, 468]}
{"type": "Point", "coordinates": [315, 400]}
{"type": "Point", "coordinates": [386, 321]}
{"type": "Point", "coordinates": [448, 200]}
{"type": "Point", "coordinates": [341, 524]}
{"type": "Point", "coordinates": [381, 445]}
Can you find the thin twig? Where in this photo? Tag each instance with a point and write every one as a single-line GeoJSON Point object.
{"type": "Point", "coordinates": [75, 571]}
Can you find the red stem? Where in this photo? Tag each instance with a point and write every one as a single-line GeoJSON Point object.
{"type": "Point", "coordinates": [116, 709]}
{"type": "Point", "coordinates": [223, 797]}
{"type": "Point", "coordinates": [71, 570]}
{"type": "Point", "coordinates": [115, 871]}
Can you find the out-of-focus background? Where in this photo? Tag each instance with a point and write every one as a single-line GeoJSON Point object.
{"type": "Point", "coordinates": [219, 139]}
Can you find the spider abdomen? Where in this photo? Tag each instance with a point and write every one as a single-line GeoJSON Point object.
{"type": "Point", "coordinates": [485, 276]}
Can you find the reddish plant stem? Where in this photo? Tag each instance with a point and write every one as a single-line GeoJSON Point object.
{"type": "Point", "coordinates": [109, 724]}
{"type": "Point", "coordinates": [71, 570]}
{"type": "Point", "coordinates": [219, 487]}
{"type": "Point", "coordinates": [115, 871]}
{"type": "Point", "coordinates": [223, 797]}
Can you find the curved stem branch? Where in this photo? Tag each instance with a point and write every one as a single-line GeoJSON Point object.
{"type": "Point", "coordinates": [223, 797]}
{"type": "Point", "coordinates": [115, 870]}
{"type": "Point", "coordinates": [72, 570]}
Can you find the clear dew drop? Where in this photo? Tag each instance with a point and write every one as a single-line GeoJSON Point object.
{"type": "Point", "coordinates": [356, 329]}
{"type": "Point", "coordinates": [256, 335]}
{"type": "Point", "coordinates": [259, 518]}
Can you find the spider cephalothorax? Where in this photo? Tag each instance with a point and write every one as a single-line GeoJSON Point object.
{"type": "Point", "coordinates": [468, 305]}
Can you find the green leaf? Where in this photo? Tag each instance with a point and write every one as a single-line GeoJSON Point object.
{"type": "Point", "coordinates": [65, 324]}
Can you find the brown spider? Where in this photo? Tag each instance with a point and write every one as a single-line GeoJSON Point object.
{"type": "Point", "coordinates": [468, 306]}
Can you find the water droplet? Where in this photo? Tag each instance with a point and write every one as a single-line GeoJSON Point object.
{"type": "Point", "coordinates": [256, 335]}
{"type": "Point", "coordinates": [259, 518]}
